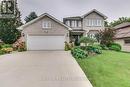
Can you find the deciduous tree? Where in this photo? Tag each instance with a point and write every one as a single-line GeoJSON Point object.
{"type": "Point", "coordinates": [106, 36]}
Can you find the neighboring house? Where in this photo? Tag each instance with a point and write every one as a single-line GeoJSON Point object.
{"type": "Point", "coordinates": [122, 36]}
{"type": "Point", "coordinates": [86, 25]}
{"type": "Point", "coordinates": [45, 33]}
{"type": "Point", "coordinates": [9, 9]}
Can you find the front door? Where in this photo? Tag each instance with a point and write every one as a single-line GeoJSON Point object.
{"type": "Point", "coordinates": [76, 39]}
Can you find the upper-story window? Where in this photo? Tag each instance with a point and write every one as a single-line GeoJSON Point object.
{"type": "Point", "coordinates": [74, 24]}
{"type": "Point", "coordinates": [68, 23]}
{"type": "Point", "coordinates": [79, 24]}
{"type": "Point", "coordinates": [46, 24]}
{"type": "Point", "coordinates": [94, 22]}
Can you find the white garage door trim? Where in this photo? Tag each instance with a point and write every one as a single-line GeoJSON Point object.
{"type": "Point", "coordinates": [45, 42]}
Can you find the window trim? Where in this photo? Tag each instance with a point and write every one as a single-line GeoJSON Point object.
{"type": "Point", "coordinates": [74, 24]}
{"type": "Point", "coordinates": [127, 41]}
{"type": "Point", "coordinates": [68, 23]}
{"type": "Point", "coordinates": [46, 24]}
{"type": "Point", "coordinates": [79, 24]}
{"type": "Point", "coordinates": [94, 23]}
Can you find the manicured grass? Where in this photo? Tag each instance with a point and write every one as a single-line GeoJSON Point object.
{"type": "Point", "coordinates": [110, 69]}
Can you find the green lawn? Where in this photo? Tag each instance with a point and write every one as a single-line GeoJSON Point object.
{"type": "Point", "coordinates": [110, 69]}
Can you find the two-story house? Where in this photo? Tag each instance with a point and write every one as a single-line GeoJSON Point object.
{"type": "Point", "coordinates": [48, 33]}
{"type": "Point", "coordinates": [86, 25]}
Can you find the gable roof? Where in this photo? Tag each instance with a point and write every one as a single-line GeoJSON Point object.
{"type": "Point", "coordinates": [122, 30]}
{"type": "Point", "coordinates": [122, 33]}
{"type": "Point", "coordinates": [122, 25]}
{"type": "Point", "coordinates": [40, 17]}
{"type": "Point", "coordinates": [94, 10]}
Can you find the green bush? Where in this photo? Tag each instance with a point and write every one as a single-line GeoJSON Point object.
{"type": "Point", "coordinates": [7, 50]}
{"type": "Point", "coordinates": [89, 49]}
{"type": "Point", "coordinates": [77, 52]}
{"type": "Point", "coordinates": [2, 52]}
{"type": "Point", "coordinates": [97, 47]}
{"type": "Point", "coordinates": [77, 43]}
{"type": "Point", "coordinates": [87, 40]}
{"type": "Point", "coordinates": [115, 44]}
{"type": "Point", "coordinates": [98, 51]}
{"type": "Point", "coordinates": [83, 47]}
{"type": "Point", "coordinates": [94, 49]}
{"type": "Point", "coordinates": [104, 47]}
{"type": "Point", "coordinates": [6, 46]}
{"type": "Point", "coordinates": [115, 47]}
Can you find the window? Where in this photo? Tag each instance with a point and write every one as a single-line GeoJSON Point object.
{"type": "Point", "coordinates": [127, 41]}
{"type": "Point", "coordinates": [79, 24]}
{"type": "Point", "coordinates": [74, 24]}
{"type": "Point", "coordinates": [99, 22]}
{"type": "Point", "coordinates": [68, 23]}
{"type": "Point", "coordinates": [46, 24]}
{"type": "Point", "coordinates": [94, 22]}
{"type": "Point", "coordinates": [89, 22]}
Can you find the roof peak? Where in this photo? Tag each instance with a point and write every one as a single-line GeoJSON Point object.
{"type": "Point", "coordinates": [40, 17]}
{"type": "Point", "coordinates": [95, 10]}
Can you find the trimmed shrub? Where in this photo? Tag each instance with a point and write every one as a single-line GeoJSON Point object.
{"type": "Point", "coordinates": [68, 46]}
{"type": "Point", "coordinates": [2, 52]}
{"type": "Point", "coordinates": [6, 46]}
{"type": "Point", "coordinates": [71, 45]}
{"type": "Point", "coordinates": [7, 50]}
{"type": "Point", "coordinates": [115, 44]}
{"type": "Point", "coordinates": [77, 43]}
{"type": "Point", "coordinates": [77, 52]}
{"type": "Point", "coordinates": [115, 47]}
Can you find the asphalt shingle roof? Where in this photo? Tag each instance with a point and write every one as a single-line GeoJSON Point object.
{"type": "Point", "coordinates": [122, 30]}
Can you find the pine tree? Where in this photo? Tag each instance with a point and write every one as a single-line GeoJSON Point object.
{"type": "Point", "coordinates": [30, 17]}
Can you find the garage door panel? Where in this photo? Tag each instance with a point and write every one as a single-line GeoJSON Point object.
{"type": "Point", "coordinates": [45, 42]}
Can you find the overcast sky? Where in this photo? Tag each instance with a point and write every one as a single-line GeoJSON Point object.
{"type": "Point", "coordinates": [113, 9]}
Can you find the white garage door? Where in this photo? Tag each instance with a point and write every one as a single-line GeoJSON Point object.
{"type": "Point", "coordinates": [45, 42]}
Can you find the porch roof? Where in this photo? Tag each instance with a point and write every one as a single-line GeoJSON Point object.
{"type": "Point", "coordinates": [77, 32]}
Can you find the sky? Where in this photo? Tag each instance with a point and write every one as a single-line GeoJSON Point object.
{"type": "Point", "coordinates": [113, 9]}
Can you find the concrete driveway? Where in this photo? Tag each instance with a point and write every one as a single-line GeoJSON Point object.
{"type": "Point", "coordinates": [41, 69]}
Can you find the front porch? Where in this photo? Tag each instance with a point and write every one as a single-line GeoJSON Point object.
{"type": "Point", "coordinates": [75, 36]}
